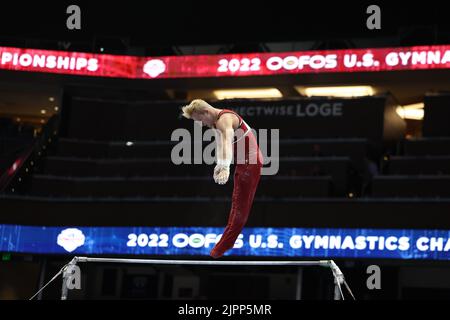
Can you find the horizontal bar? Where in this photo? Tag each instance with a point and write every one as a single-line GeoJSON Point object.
{"type": "Point", "coordinates": [323, 263]}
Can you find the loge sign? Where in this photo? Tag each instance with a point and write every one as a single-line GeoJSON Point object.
{"type": "Point", "coordinates": [233, 65]}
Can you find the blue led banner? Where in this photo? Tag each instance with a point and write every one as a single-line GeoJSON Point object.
{"type": "Point", "coordinates": [255, 242]}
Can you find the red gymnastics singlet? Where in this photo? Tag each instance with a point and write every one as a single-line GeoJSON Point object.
{"type": "Point", "coordinates": [249, 161]}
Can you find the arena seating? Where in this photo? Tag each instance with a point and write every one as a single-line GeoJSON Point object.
{"type": "Point", "coordinates": [271, 187]}
{"type": "Point", "coordinates": [421, 166]}
{"type": "Point", "coordinates": [437, 115]}
{"type": "Point", "coordinates": [409, 165]}
{"type": "Point", "coordinates": [418, 186]}
{"type": "Point", "coordinates": [14, 138]}
{"type": "Point", "coordinates": [118, 164]}
{"type": "Point", "coordinates": [426, 146]}
{"type": "Point", "coordinates": [332, 167]}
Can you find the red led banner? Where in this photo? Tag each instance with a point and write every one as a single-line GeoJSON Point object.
{"type": "Point", "coordinates": [235, 65]}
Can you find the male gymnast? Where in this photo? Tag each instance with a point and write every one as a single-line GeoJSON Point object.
{"type": "Point", "coordinates": [234, 140]}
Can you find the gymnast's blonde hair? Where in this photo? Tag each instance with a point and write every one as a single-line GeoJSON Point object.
{"type": "Point", "coordinates": [195, 105]}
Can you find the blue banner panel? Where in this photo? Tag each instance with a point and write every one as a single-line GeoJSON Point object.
{"type": "Point", "coordinates": [253, 242]}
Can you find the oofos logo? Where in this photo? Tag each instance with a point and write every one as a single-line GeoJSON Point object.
{"type": "Point", "coordinates": [198, 240]}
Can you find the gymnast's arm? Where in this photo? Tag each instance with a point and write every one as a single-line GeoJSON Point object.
{"type": "Point", "coordinates": [224, 151]}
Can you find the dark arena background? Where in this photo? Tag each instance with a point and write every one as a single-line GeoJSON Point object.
{"type": "Point", "coordinates": [351, 108]}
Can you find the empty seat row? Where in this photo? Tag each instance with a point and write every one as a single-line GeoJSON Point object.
{"type": "Point", "coordinates": [278, 186]}
{"type": "Point", "coordinates": [272, 213]}
{"type": "Point", "coordinates": [356, 149]}
{"type": "Point", "coordinates": [411, 165]}
{"type": "Point", "coordinates": [124, 149]}
{"type": "Point", "coordinates": [411, 186]}
{"type": "Point", "coordinates": [339, 168]}
{"type": "Point", "coordinates": [426, 146]}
